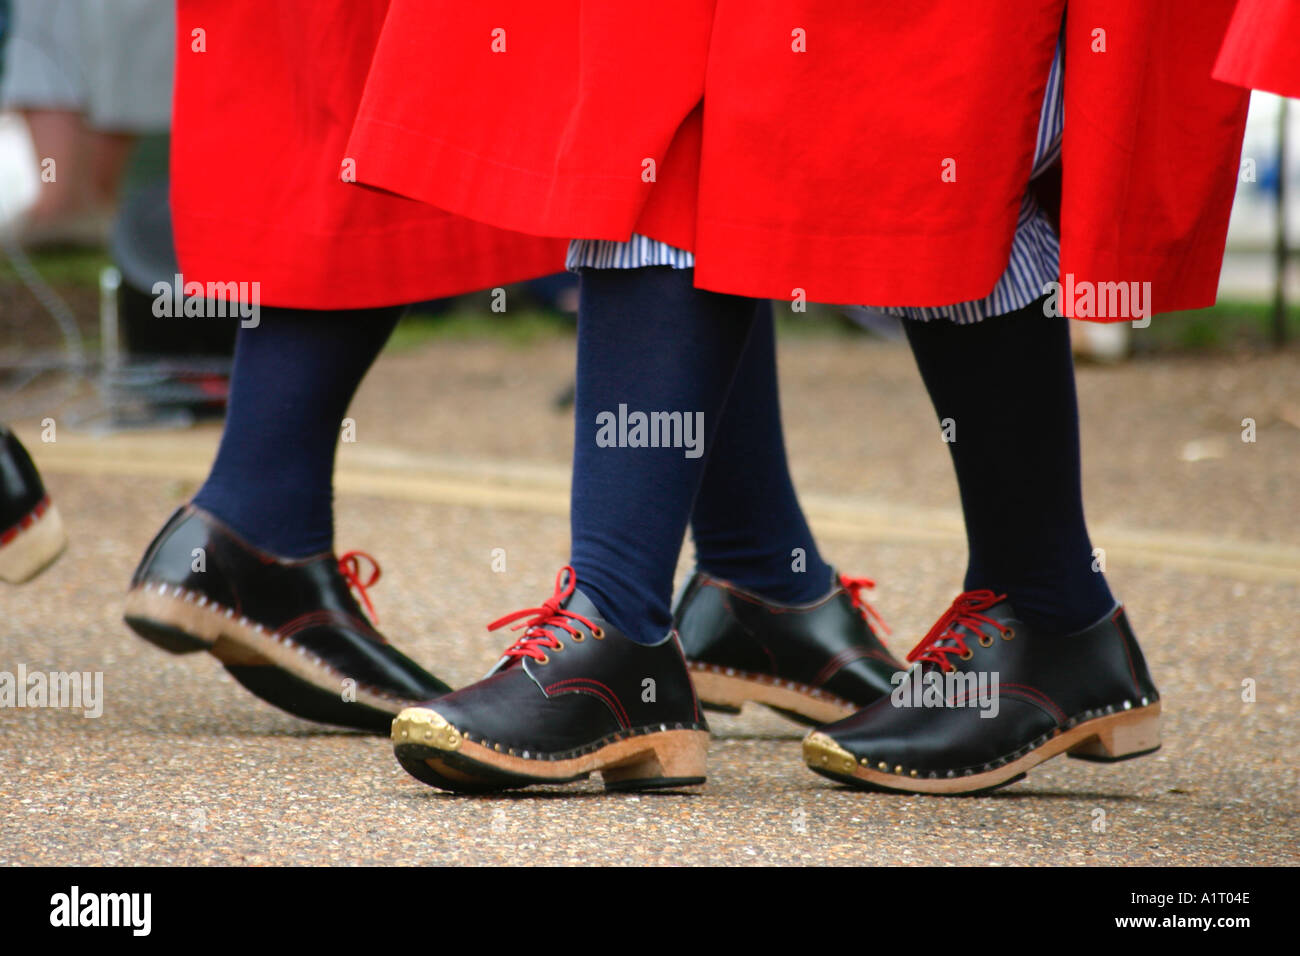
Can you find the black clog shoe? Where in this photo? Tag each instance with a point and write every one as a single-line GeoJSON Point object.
{"type": "Point", "coordinates": [571, 697]}
{"type": "Point", "coordinates": [815, 663]}
{"type": "Point", "coordinates": [31, 531]}
{"type": "Point", "coordinates": [989, 698]}
{"type": "Point", "coordinates": [288, 630]}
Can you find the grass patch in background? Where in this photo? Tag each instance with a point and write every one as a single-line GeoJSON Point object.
{"type": "Point", "coordinates": [78, 268]}
{"type": "Point", "coordinates": [468, 318]}
{"type": "Point", "coordinates": [1227, 326]}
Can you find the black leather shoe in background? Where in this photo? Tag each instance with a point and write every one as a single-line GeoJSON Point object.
{"type": "Point", "coordinates": [573, 695]}
{"type": "Point", "coordinates": [288, 630]}
{"type": "Point", "coordinates": [814, 662]}
{"type": "Point", "coordinates": [1088, 695]}
{"type": "Point", "coordinates": [31, 531]}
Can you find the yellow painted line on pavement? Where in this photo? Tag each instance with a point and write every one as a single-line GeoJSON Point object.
{"type": "Point", "coordinates": [396, 474]}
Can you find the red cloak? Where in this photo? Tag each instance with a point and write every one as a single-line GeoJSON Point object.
{"type": "Point", "coordinates": [1262, 48]}
{"type": "Point", "coordinates": [862, 152]}
{"type": "Point", "coordinates": [262, 114]}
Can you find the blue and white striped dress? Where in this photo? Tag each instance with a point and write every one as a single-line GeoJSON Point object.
{"type": "Point", "coordinates": [1035, 249]}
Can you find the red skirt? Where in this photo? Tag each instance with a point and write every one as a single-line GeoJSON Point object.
{"type": "Point", "coordinates": [260, 127]}
{"type": "Point", "coordinates": [1262, 48]}
{"type": "Point", "coordinates": [869, 152]}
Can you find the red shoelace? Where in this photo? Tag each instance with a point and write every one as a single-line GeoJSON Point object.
{"type": "Point", "coordinates": [535, 637]}
{"type": "Point", "coordinates": [964, 612]}
{"type": "Point", "coordinates": [855, 587]}
{"type": "Point", "coordinates": [350, 568]}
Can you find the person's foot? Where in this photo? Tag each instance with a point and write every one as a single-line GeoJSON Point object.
{"type": "Point", "coordinates": [571, 697]}
{"type": "Point", "coordinates": [815, 663]}
{"type": "Point", "coordinates": [31, 531]}
{"type": "Point", "coordinates": [288, 630]}
{"type": "Point", "coordinates": [990, 698]}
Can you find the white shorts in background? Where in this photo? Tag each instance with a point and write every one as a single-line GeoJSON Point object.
{"type": "Point", "coordinates": [110, 59]}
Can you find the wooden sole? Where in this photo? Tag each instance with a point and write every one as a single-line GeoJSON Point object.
{"type": "Point", "coordinates": [184, 622]}
{"type": "Point", "coordinates": [38, 541]}
{"type": "Point", "coordinates": [435, 752]}
{"type": "Point", "coordinates": [1118, 736]}
{"type": "Point", "coordinates": [724, 688]}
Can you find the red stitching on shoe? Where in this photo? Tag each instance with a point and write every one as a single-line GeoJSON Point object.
{"type": "Point", "coordinates": [612, 701]}
{"type": "Point", "coordinates": [846, 657]}
{"type": "Point", "coordinates": [1123, 642]}
{"type": "Point", "coordinates": [221, 610]}
{"type": "Point", "coordinates": [320, 617]}
{"type": "Point", "coordinates": [750, 598]}
{"type": "Point", "coordinates": [1030, 690]}
{"type": "Point", "coordinates": [1015, 694]}
{"type": "Point", "coordinates": [728, 593]}
{"type": "Point", "coordinates": [26, 521]}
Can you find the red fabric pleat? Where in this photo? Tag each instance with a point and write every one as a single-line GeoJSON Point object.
{"type": "Point", "coordinates": [821, 170]}
{"type": "Point", "coordinates": [1262, 48]}
{"type": "Point", "coordinates": [261, 119]}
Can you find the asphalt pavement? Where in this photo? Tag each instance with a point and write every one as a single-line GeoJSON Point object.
{"type": "Point", "coordinates": [459, 452]}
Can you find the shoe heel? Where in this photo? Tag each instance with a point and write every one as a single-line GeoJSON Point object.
{"type": "Point", "coordinates": [1121, 736]}
{"type": "Point", "coordinates": [35, 548]}
{"type": "Point", "coordinates": [673, 758]}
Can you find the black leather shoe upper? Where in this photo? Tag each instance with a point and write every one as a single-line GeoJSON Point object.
{"type": "Point", "coordinates": [307, 600]}
{"type": "Point", "coordinates": [1044, 683]}
{"type": "Point", "coordinates": [557, 694]}
{"type": "Point", "coordinates": [828, 645]}
{"type": "Point", "coordinates": [21, 489]}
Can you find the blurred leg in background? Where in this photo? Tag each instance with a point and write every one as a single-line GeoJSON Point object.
{"type": "Point", "coordinates": [88, 78]}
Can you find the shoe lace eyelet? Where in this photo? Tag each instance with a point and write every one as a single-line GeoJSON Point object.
{"type": "Point", "coordinates": [598, 633]}
{"type": "Point", "coordinates": [544, 624]}
{"type": "Point", "coordinates": [963, 620]}
{"type": "Point", "coordinates": [1008, 634]}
